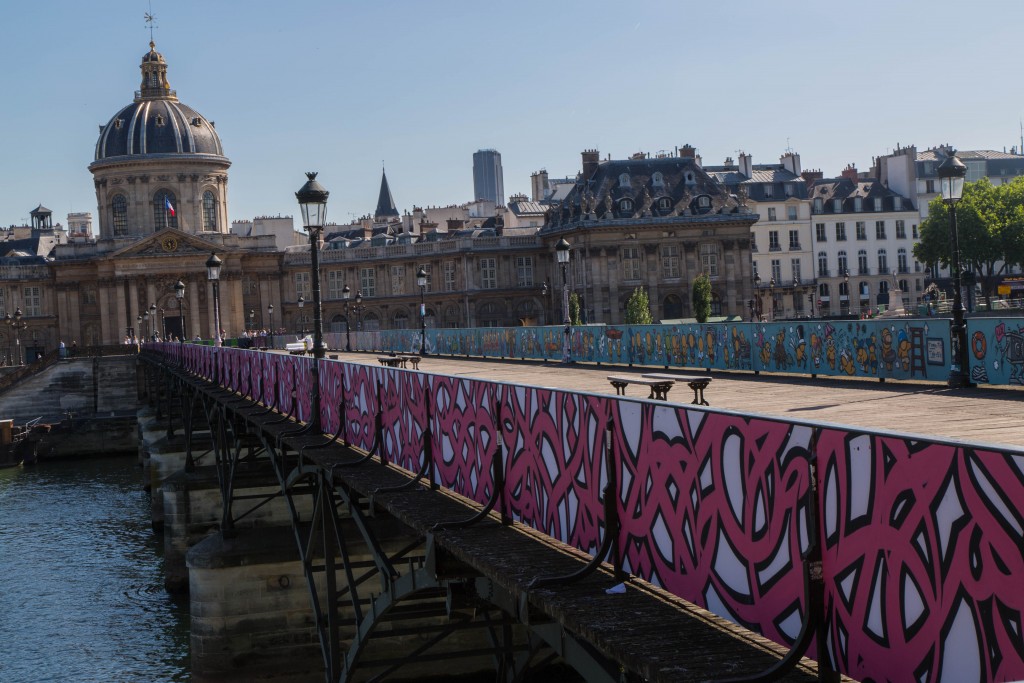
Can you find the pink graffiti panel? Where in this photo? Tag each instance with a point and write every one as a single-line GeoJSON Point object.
{"type": "Point", "coordinates": [466, 434]}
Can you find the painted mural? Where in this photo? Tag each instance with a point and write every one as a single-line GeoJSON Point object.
{"type": "Point", "coordinates": [921, 539]}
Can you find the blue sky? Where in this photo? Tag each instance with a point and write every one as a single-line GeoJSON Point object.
{"type": "Point", "coordinates": [342, 86]}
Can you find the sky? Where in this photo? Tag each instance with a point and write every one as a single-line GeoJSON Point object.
{"type": "Point", "coordinates": [415, 87]}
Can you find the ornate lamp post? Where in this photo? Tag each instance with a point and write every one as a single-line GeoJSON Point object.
{"type": "Point", "coordinates": [951, 177]}
{"type": "Point", "coordinates": [810, 298]}
{"type": "Point", "coordinates": [145, 327]}
{"type": "Point", "coordinates": [152, 322]}
{"type": "Point", "coordinates": [421, 282]}
{"type": "Point", "coordinates": [544, 295]}
{"type": "Point", "coordinates": [757, 298]}
{"type": "Point", "coordinates": [270, 315]}
{"type": "Point", "coordinates": [179, 294]}
{"type": "Point", "coordinates": [17, 324]}
{"type": "Point", "coordinates": [313, 202]}
{"type": "Point", "coordinates": [302, 322]}
{"type": "Point", "coordinates": [846, 284]}
{"type": "Point", "coordinates": [252, 318]}
{"type": "Point", "coordinates": [138, 327]}
{"type": "Point", "coordinates": [358, 309]}
{"type": "Point", "coordinates": [345, 294]}
{"type": "Point", "coordinates": [771, 296]}
{"type": "Point", "coordinates": [213, 265]}
{"type": "Point", "coordinates": [163, 325]}
{"type": "Point", "coordinates": [562, 254]}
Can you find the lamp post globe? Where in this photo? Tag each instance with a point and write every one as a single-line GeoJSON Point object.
{"type": "Point", "coordinates": [952, 173]}
{"type": "Point", "coordinates": [562, 250]}
{"type": "Point", "coordinates": [312, 198]}
{"type": "Point", "coordinates": [213, 266]}
{"type": "Point", "coordinates": [346, 293]}
{"type": "Point", "coordinates": [421, 282]}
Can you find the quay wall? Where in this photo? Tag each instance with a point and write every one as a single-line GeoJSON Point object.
{"type": "Point", "coordinates": [920, 537]}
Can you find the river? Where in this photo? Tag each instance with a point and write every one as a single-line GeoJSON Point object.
{"type": "Point", "coordinates": [81, 578]}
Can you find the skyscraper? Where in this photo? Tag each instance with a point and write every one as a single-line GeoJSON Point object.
{"type": "Point", "coordinates": [488, 182]}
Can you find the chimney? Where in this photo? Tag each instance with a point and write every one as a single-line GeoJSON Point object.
{"type": "Point", "coordinates": [591, 158]}
{"type": "Point", "coordinates": [539, 186]}
{"type": "Point", "coordinates": [367, 225]}
{"type": "Point", "coordinates": [791, 162]}
{"type": "Point", "coordinates": [746, 164]}
{"type": "Point", "coordinates": [811, 175]}
{"type": "Point", "coordinates": [687, 152]}
{"type": "Point", "coordinates": [455, 224]}
{"type": "Point", "coordinates": [850, 172]}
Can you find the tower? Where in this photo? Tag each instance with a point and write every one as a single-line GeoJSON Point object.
{"type": "Point", "coordinates": [488, 181]}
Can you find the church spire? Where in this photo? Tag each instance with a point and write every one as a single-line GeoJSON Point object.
{"type": "Point", "coordinates": [385, 203]}
{"type": "Point", "coordinates": [154, 77]}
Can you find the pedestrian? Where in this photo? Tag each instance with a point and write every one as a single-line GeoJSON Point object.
{"type": "Point", "coordinates": [62, 350]}
{"type": "Point", "coordinates": [74, 347]}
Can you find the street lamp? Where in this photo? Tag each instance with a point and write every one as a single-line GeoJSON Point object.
{"type": "Point", "coordinates": [771, 295]}
{"type": "Point", "coordinates": [252, 318]}
{"type": "Point", "coordinates": [145, 324]}
{"type": "Point", "coordinates": [302, 321]}
{"type": "Point", "coordinates": [270, 315]}
{"type": "Point", "coordinates": [163, 325]}
{"type": "Point", "coordinates": [421, 281]}
{"type": "Point", "coordinates": [179, 294]}
{"type": "Point", "coordinates": [152, 322]}
{"type": "Point", "coordinates": [313, 202]}
{"type": "Point", "coordinates": [213, 265]}
{"type": "Point", "coordinates": [846, 285]}
{"type": "Point", "coordinates": [951, 177]}
{"type": "Point", "coordinates": [562, 254]}
{"type": "Point", "coordinates": [358, 310]}
{"type": "Point", "coordinates": [345, 294]}
{"type": "Point", "coordinates": [810, 298]}
{"type": "Point", "coordinates": [17, 324]}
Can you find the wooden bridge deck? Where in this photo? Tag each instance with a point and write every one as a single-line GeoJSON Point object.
{"type": "Point", "coordinates": [981, 415]}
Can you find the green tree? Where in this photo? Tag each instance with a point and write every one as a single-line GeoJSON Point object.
{"type": "Point", "coordinates": [574, 309]}
{"type": "Point", "coordinates": [638, 308]}
{"type": "Point", "coordinates": [701, 296]}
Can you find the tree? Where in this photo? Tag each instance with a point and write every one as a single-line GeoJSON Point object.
{"type": "Point", "coordinates": [701, 295]}
{"type": "Point", "coordinates": [638, 308]}
{"type": "Point", "coordinates": [574, 309]}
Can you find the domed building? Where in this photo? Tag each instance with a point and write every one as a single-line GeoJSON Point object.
{"type": "Point", "coordinates": [159, 164]}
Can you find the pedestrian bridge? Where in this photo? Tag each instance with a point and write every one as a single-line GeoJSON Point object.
{"type": "Point", "coordinates": [632, 539]}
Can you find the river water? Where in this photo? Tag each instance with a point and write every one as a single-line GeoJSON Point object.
{"type": "Point", "coordinates": [81, 578]}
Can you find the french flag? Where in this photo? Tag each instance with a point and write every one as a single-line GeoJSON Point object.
{"type": "Point", "coordinates": [168, 205]}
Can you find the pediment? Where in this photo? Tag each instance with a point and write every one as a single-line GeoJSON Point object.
{"type": "Point", "coordinates": [167, 243]}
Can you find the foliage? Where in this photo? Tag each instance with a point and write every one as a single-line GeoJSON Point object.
{"type": "Point", "coordinates": [638, 308]}
{"type": "Point", "coordinates": [990, 231]}
{"type": "Point", "coordinates": [574, 309]}
{"type": "Point", "coordinates": [701, 296]}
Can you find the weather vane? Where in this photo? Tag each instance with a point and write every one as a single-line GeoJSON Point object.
{"type": "Point", "coordinates": [149, 21]}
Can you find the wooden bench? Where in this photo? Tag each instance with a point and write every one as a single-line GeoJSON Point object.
{"type": "Point", "coordinates": [696, 382]}
{"type": "Point", "coordinates": [659, 387]}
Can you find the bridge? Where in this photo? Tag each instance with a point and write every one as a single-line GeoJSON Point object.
{"type": "Point", "coordinates": [437, 517]}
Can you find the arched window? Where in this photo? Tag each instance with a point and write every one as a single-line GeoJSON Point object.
{"type": "Point", "coordinates": [905, 286]}
{"type": "Point", "coordinates": [209, 212]}
{"type": "Point", "coordinates": [716, 304]}
{"type": "Point", "coordinates": [822, 264]}
{"type": "Point", "coordinates": [672, 307]}
{"type": "Point", "coordinates": [119, 215]}
{"type": "Point", "coordinates": [657, 180]}
{"type": "Point", "coordinates": [626, 205]}
{"type": "Point", "coordinates": [843, 265]}
{"type": "Point", "coordinates": [901, 260]}
{"type": "Point", "coordinates": [883, 262]}
{"type": "Point", "coordinates": [165, 210]}
{"type": "Point", "coordinates": [664, 203]}
{"type": "Point", "coordinates": [624, 180]}
{"type": "Point", "coordinates": [823, 291]}
{"type": "Point", "coordinates": [451, 316]}
{"type": "Point", "coordinates": [401, 321]}
{"type": "Point", "coordinates": [862, 262]}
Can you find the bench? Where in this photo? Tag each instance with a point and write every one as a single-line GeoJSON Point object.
{"type": "Point", "coordinates": [696, 382]}
{"type": "Point", "coordinates": [659, 387]}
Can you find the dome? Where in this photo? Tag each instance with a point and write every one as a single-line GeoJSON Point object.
{"type": "Point", "coordinates": [156, 123]}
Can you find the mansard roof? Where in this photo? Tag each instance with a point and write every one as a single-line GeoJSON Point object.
{"type": "Point", "coordinates": [846, 190]}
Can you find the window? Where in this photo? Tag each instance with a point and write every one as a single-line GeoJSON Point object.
{"type": "Point", "coordinates": [913, 230]}
{"type": "Point", "coordinates": [3, 302]}
{"type": "Point", "coordinates": [657, 180]}
{"type": "Point", "coordinates": [837, 205]}
{"type": "Point", "coordinates": [818, 208]}
{"type": "Point", "coordinates": [901, 260]}
{"type": "Point", "coordinates": [901, 230]}
{"type": "Point", "coordinates": [840, 232]}
{"type": "Point", "coordinates": [397, 280]}
{"type": "Point", "coordinates": [670, 261]}
{"type": "Point", "coordinates": [119, 215]}
{"type": "Point", "coordinates": [368, 281]}
{"type": "Point", "coordinates": [858, 204]}
{"type": "Point", "coordinates": [883, 262]}
{"type": "Point", "coordinates": [844, 290]}
{"type": "Point", "coordinates": [630, 264]}
{"type": "Point", "coordinates": [880, 230]}
{"type": "Point", "coordinates": [843, 265]}
{"type": "Point", "coordinates": [709, 258]}
{"type": "Point", "coordinates": [773, 241]}
{"type": "Point", "coordinates": [449, 276]}
{"type": "Point", "coordinates": [862, 262]}
{"type": "Point", "coordinates": [904, 286]}
{"type": "Point", "coordinates": [822, 264]}
{"type": "Point", "coordinates": [488, 273]}
{"type": "Point", "coordinates": [335, 283]}
{"type": "Point", "coordinates": [165, 208]}
{"type": "Point", "coordinates": [823, 290]}
{"type": "Point", "coordinates": [862, 230]}
{"type": "Point", "coordinates": [794, 240]}
{"type": "Point", "coordinates": [878, 203]}
{"type": "Point", "coordinates": [625, 206]}
{"type": "Point", "coordinates": [771, 213]}
{"type": "Point", "coordinates": [624, 180]}
{"type": "Point", "coordinates": [929, 186]}
{"type": "Point", "coordinates": [819, 232]}
{"type": "Point", "coordinates": [664, 203]}
{"type": "Point", "coordinates": [794, 265]}
{"type": "Point", "coordinates": [791, 213]}
{"type": "Point", "coordinates": [429, 287]}
{"type": "Point", "coordinates": [769, 190]}
{"type": "Point", "coordinates": [302, 286]}
{"type": "Point", "coordinates": [209, 212]}
{"type": "Point", "coordinates": [777, 271]}
{"type": "Point", "coordinates": [865, 289]}
{"type": "Point", "coordinates": [897, 203]}
{"type": "Point", "coordinates": [524, 271]}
